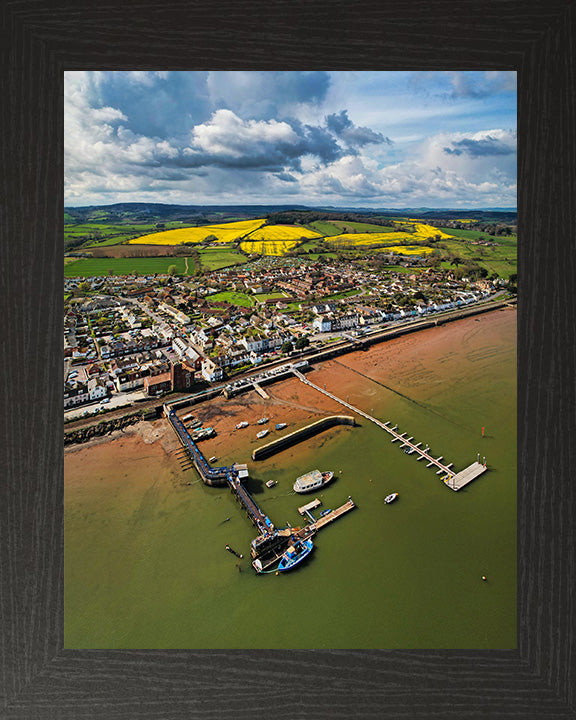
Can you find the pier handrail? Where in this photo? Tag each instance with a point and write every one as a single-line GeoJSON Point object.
{"type": "Point", "coordinates": [229, 474]}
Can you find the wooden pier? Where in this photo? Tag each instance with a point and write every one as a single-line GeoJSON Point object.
{"type": "Point", "coordinates": [458, 481]}
{"type": "Point", "coordinates": [313, 528]}
{"type": "Point", "coordinates": [453, 480]}
{"type": "Point", "coordinates": [309, 506]}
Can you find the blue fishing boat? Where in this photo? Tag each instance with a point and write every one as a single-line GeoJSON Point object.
{"type": "Point", "coordinates": [295, 554]}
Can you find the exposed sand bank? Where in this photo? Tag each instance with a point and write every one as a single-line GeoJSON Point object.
{"type": "Point", "coordinates": [292, 402]}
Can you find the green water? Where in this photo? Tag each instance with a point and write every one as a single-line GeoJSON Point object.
{"type": "Point", "coordinates": [149, 570]}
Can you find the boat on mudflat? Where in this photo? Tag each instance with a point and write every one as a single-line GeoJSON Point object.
{"type": "Point", "coordinates": [203, 433]}
{"type": "Point", "coordinates": [262, 433]}
{"type": "Point", "coordinates": [390, 498]}
{"type": "Point", "coordinates": [312, 481]}
{"type": "Point", "coordinates": [281, 426]}
{"type": "Point", "coordinates": [262, 420]}
{"type": "Point", "coordinates": [241, 425]}
{"type": "Point", "coordinates": [295, 554]}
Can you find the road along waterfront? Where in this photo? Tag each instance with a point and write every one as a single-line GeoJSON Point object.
{"type": "Point", "coordinates": [145, 559]}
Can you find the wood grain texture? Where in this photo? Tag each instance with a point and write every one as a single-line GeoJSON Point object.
{"type": "Point", "coordinates": [41, 40]}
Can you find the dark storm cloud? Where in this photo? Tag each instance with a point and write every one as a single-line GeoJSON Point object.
{"type": "Point", "coordinates": [354, 136]}
{"type": "Point", "coordinates": [479, 148]}
{"type": "Point", "coordinates": [286, 177]}
{"type": "Point", "coordinates": [266, 95]}
{"type": "Point", "coordinates": [228, 141]}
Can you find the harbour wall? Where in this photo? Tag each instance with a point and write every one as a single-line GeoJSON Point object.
{"type": "Point", "coordinates": [103, 427]}
{"type": "Point", "coordinates": [362, 343]}
{"type": "Point", "coordinates": [298, 435]}
{"type": "Point", "coordinates": [196, 398]}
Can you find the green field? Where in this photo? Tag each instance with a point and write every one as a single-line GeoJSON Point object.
{"type": "Point", "coordinates": [501, 259]}
{"type": "Point", "coordinates": [234, 298]}
{"type": "Point", "coordinates": [262, 297]}
{"type": "Point", "coordinates": [96, 267]}
{"type": "Point", "coordinates": [101, 234]}
{"type": "Point", "coordinates": [475, 234]}
{"type": "Point", "coordinates": [324, 227]}
{"type": "Point", "coordinates": [216, 258]}
{"type": "Point", "coordinates": [340, 295]}
{"type": "Point", "coordinates": [336, 227]}
{"type": "Point", "coordinates": [363, 227]}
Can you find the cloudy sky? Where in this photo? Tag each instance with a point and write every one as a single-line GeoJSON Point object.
{"type": "Point", "coordinates": [343, 139]}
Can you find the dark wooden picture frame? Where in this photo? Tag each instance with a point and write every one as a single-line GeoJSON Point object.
{"type": "Point", "coordinates": [39, 42]}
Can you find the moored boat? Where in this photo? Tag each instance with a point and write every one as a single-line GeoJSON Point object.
{"type": "Point", "coordinates": [281, 426]}
{"type": "Point", "coordinates": [295, 554]}
{"type": "Point", "coordinates": [312, 481]}
{"type": "Point", "coordinates": [262, 420]}
{"type": "Point", "coordinates": [241, 425]}
{"type": "Point", "coordinates": [262, 433]}
{"type": "Point", "coordinates": [203, 433]}
{"type": "Point", "coordinates": [390, 498]}
{"type": "Point", "coordinates": [270, 483]}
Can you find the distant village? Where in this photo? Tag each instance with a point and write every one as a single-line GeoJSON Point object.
{"type": "Point", "coordinates": [159, 333]}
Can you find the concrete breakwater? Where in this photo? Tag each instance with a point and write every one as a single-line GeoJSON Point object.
{"type": "Point", "coordinates": [302, 434]}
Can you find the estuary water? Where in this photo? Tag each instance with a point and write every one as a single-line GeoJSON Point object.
{"type": "Point", "coordinates": [145, 558]}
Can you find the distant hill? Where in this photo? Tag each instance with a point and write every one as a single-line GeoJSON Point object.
{"type": "Point", "coordinates": [151, 212]}
{"type": "Point", "coordinates": [206, 214]}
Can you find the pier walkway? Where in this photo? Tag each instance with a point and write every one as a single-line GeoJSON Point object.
{"type": "Point", "coordinates": [312, 529]}
{"type": "Point", "coordinates": [219, 475]}
{"type": "Point", "coordinates": [452, 480]}
{"type": "Point", "coordinates": [260, 390]}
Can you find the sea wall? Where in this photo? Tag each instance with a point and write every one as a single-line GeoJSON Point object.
{"type": "Point", "coordinates": [298, 435]}
{"type": "Point", "coordinates": [196, 398]}
{"type": "Point", "coordinates": [102, 428]}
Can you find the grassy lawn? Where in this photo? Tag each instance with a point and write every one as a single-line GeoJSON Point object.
{"type": "Point", "coordinates": [339, 296]}
{"type": "Point", "coordinates": [94, 267]}
{"type": "Point", "coordinates": [234, 298]}
{"type": "Point", "coordinates": [216, 258]}
{"type": "Point", "coordinates": [262, 297]}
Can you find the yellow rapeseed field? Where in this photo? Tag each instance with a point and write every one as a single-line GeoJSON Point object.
{"type": "Point", "coordinates": [425, 231]}
{"type": "Point", "coordinates": [407, 249]}
{"type": "Point", "coordinates": [282, 232]}
{"type": "Point", "coordinates": [268, 247]}
{"type": "Point", "coordinates": [369, 238]}
{"type": "Point", "coordinates": [226, 232]}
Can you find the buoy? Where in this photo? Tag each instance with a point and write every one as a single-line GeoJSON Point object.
{"type": "Point", "coordinates": [484, 578]}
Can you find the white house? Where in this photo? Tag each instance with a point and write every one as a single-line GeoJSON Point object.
{"type": "Point", "coordinates": [96, 389]}
{"type": "Point", "coordinates": [210, 371]}
{"type": "Point", "coordinates": [322, 324]}
{"type": "Point", "coordinates": [75, 394]}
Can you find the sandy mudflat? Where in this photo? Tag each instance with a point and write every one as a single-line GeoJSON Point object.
{"type": "Point", "coordinates": [416, 356]}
